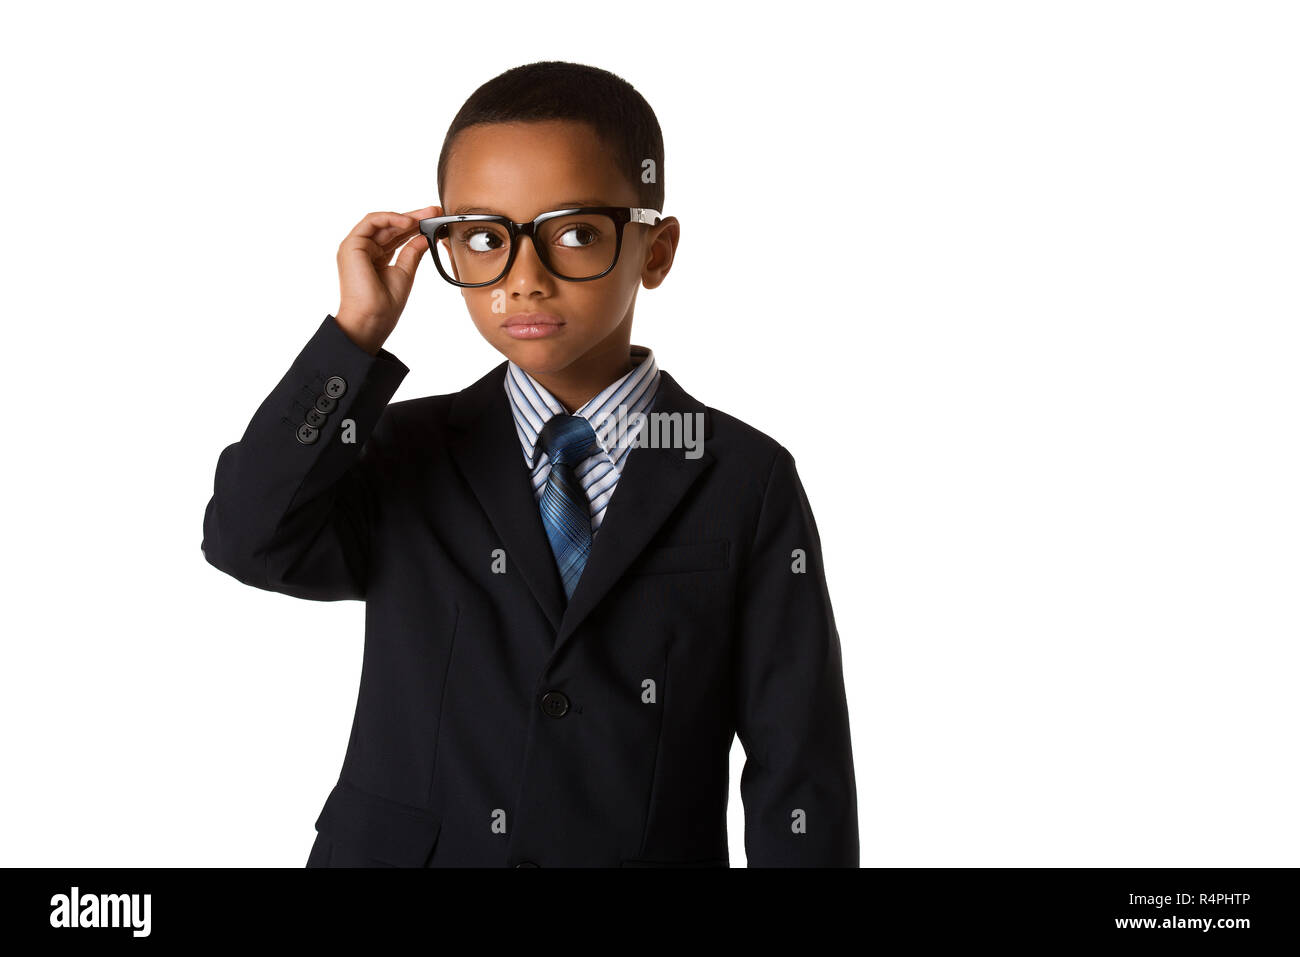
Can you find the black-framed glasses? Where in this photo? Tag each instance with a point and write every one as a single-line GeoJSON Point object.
{"type": "Point", "coordinates": [577, 245]}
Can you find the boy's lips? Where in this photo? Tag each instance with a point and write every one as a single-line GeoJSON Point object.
{"type": "Point", "coordinates": [532, 325]}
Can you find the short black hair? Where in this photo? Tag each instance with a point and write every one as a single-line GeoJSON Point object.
{"type": "Point", "coordinates": [556, 90]}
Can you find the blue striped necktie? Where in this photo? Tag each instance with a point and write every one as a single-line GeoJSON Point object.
{"type": "Point", "coordinates": [566, 510]}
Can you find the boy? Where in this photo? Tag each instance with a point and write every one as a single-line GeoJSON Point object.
{"type": "Point", "coordinates": [567, 618]}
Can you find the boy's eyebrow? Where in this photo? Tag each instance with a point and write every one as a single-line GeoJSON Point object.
{"type": "Point", "coordinates": [567, 204]}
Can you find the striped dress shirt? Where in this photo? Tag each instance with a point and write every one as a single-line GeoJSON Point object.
{"type": "Point", "coordinates": [532, 405]}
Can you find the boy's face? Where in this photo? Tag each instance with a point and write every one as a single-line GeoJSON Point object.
{"type": "Point", "coordinates": [520, 170]}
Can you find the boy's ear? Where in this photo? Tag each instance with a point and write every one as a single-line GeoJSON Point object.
{"type": "Point", "coordinates": [663, 247]}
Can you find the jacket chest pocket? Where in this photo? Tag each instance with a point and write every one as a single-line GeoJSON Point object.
{"type": "Point", "coordinates": [373, 826]}
{"type": "Point", "coordinates": [693, 557]}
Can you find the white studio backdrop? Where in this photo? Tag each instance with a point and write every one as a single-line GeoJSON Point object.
{"type": "Point", "coordinates": [1015, 283]}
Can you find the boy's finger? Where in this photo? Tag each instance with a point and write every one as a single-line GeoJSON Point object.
{"type": "Point", "coordinates": [371, 223]}
{"type": "Point", "coordinates": [408, 260]}
{"type": "Point", "coordinates": [363, 244]}
{"type": "Point", "coordinates": [393, 237]}
{"type": "Point", "coordinates": [382, 231]}
{"type": "Point", "coordinates": [406, 225]}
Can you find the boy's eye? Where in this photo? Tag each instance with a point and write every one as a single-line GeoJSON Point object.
{"type": "Point", "coordinates": [578, 236]}
{"type": "Point", "coordinates": [483, 241]}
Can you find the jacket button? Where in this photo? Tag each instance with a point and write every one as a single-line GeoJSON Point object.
{"type": "Point", "coordinates": [555, 704]}
{"type": "Point", "coordinates": [315, 418]}
{"type": "Point", "coordinates": [335, 387]}
{"type": "Point", "coordinates": [325, 404]}
{"type": "Point", "coordinates": [527, 864]}
{"type": "Point", "coordinates": [306, 434]}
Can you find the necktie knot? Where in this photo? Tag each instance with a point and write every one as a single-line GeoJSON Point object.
{"type": "Point", "coordinates": [567, 439]}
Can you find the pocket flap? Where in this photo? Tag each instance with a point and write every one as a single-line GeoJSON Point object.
{"type": "Point", "coordinates": [400, 834]}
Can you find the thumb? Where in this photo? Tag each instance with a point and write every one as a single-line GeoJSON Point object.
{"type": "Point", "coordinates": [408, 260]}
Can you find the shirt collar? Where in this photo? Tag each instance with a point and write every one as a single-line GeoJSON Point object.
{"type": "Point", "coordinates": [532, 406]}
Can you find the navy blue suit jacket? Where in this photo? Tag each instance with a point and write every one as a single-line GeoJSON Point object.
{"type": "Point", "coordinates": [497, 725]}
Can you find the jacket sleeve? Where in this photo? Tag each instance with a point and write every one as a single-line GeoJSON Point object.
{"type": "Point", "coordinates": [798, 786]}
{"type": "Point", "coordinates": [292, 508]}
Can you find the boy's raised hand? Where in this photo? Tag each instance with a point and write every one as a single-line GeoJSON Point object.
{"type": "Point", "coordinates": [372, 294]}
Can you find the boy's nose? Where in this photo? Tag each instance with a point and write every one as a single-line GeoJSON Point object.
{"type": "Point", "coordinates": [527, 266]}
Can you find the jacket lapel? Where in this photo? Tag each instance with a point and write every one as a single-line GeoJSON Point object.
{"type": "Point", "coordinates": [653, 481]}
{"type": "Point", "coordinates": [485, 445]}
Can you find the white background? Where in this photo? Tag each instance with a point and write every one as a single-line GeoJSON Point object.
{"type": "Point", "coordinates": [1015, 282]}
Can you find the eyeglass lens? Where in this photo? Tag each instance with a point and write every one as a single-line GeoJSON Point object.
{"type": "Point", "coordinates": [576, 247]}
